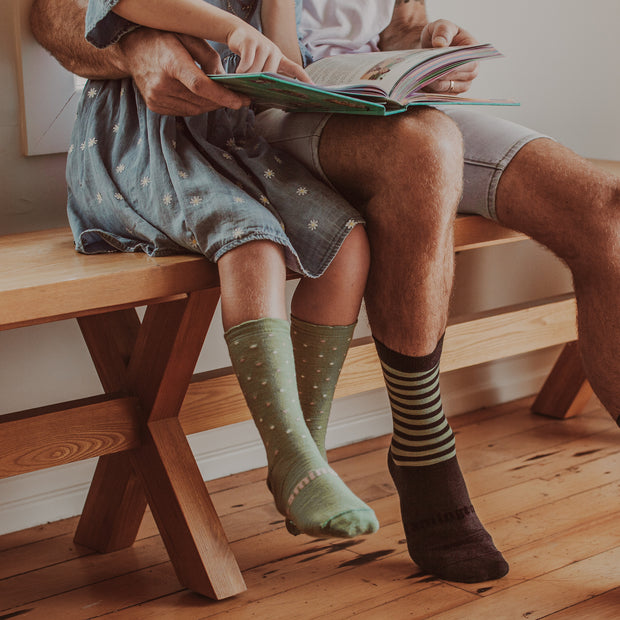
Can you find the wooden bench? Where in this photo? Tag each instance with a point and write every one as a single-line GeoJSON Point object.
{"type": "Point", "coordinates": [151, 399]}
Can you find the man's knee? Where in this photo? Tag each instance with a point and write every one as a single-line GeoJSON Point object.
{"type": "Point", "coordinates": [423, 168]}
{"type": "Point", "coordinates": [432, 134]}
{"type": "Point", "coordinates": [423, 146]}
{"type": "Point", "coordinates": [368, 155]}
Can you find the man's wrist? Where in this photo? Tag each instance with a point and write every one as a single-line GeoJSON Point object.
{"type": "Point", "coordinates": [127, 49]}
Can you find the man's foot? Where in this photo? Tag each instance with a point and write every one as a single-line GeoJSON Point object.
{"type": "Point", "coordinates": [444, 535]}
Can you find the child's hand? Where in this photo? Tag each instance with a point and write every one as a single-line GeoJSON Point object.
{"type": "Point", "coordinates": [257, 53]}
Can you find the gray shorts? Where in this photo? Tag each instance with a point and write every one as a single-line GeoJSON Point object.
{"type": "Point", "coordinates": [490, 144]}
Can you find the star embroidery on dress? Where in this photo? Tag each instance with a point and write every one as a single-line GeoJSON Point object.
{"type": "Point", "coordinates": [122, 91]}
{"type": "Point", "coordinates": [121, 168]}
{"type": "Point", "coordinates": [264, 199]}
{"type": "Point", "coordinates": [116, 128]}
{"type": "Point", "coordinates": [145, 181]}
{"type": "Point", "coordinates": [193, 242]}
{"type": "Point", "coordinates": [71, 149]}
{"type": "Point", "coordinates": [92, 142]}
{"type": "Point", "coordinates": [183, 174]}
{"type": "Point", "coordinates": [195, 200]}
{"type": "Point", "coordinates": [269, 173]}
{"type": "Point", "coordinates": [83, 146]}
{"type": "Point", "coordinates": [351, 224]}
{"type": "Point", "coordinates": [238, 200]}
{"type": "Point", "coordinates": [118, 196]}
{"type": "Point", "coordinates": [167, 199]}
{"type": "Point", "coordinates": [302, 191]}
{"type": "Point", "coordinates": [99, 198]}
{"type": "Point", "coordinates": [230, 143]}
{"type": "Point", "coordinates": [174, 144]}
{"type": "Point", "coordinates": [313, 224]}
{"type": "Point", "coordinates": [139, 140]}
{"type": "Point", "coordinates": [226, 155]}
{"type": "Point", "coordinates": [92, 92]}
{"type": "Point", "coordinates": [237, 233]}
{"type": "Point", "coordinates": [277, 159]}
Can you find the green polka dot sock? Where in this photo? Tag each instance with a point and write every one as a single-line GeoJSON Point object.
{"type": "Point", "coordinates": [305, 489]}
{"type": "Point", "coordinates": [320, 351]}
{"type": "Point", "coordinates": [444, 535]}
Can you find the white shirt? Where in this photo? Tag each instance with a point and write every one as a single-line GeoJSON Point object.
{"type": "Point", "coordinates": [330, 27]}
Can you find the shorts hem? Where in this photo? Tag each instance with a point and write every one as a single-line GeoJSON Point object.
{"type": "Point", "coordinates": [499, 169]}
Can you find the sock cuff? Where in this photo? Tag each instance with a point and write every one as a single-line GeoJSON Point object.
{"type": "Point", "coordinates": [258, 327]}
{"type": "Point", "coordinates": [315, 329]}
{"type": "Point", "coordinates": [408, 363]}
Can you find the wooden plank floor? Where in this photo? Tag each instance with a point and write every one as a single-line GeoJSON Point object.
{"type": "Point", "coordinates": [548, 491]}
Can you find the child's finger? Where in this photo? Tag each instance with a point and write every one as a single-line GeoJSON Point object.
{"type": "Point", "coordinates": [292, 69]}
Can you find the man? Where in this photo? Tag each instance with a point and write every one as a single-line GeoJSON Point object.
{"type": "Point", "coordinates": [409, 199]}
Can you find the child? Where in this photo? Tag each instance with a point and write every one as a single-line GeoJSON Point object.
{"type": "Point", "coordinates": [139, 181]}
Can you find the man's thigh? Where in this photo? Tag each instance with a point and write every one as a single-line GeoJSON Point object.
{"type": "Point", "coordinates": [296, 133]}
{"type": "Point", "coordinates": [490, 143]}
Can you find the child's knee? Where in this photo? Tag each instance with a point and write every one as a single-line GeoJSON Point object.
{"type": "Point", "coordinates": [354, 256]}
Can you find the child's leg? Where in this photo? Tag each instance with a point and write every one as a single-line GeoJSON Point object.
{"type": "Point", "coordinates": [324, 314]}
{"type": "Point", "coordinates": [305, 489]}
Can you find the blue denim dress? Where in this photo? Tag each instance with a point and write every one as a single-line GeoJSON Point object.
{"type": "Point", "coordinates": [139, 181]}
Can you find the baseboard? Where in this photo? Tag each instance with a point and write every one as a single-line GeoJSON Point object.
{"type": "Point", "coordinates": [52, 494]}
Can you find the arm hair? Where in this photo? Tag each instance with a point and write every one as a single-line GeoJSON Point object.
{"type": "Point", "coordinates": [58, 25]}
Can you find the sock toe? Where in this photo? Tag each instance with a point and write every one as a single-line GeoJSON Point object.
{"type": "Point", "coordinates": [351, 524]}
{"type": "Point", "coordinates": [473, 569]}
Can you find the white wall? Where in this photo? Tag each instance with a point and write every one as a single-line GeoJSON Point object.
{"type": "Point", "coordinates": [49, 362]}
{"type": "Point", "coordinates": [560, 64]}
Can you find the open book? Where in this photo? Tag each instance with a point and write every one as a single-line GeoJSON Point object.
{"type": "Point", "coordinates": [378, 83]}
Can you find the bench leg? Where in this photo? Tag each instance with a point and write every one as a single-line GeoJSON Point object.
{"type": "Point", "coordinates": [184, 513]}
{"type": "Point", "coordinates": [114, 507]}
{"type": "Point", "coordinates": [567, 390]}
{"type": "Point", "coordinates": [159, 373]}
{"type": "Point", "coordinates": [116, 502]}
{"type": "Point", "coordinates": [163, 359]}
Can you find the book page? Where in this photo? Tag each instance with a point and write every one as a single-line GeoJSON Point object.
{"type": "Point", "coordinates": [376, 69]}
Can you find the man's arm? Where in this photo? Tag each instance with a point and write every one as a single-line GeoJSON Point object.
{"type": "Point", "coordinates": [405, 29]}
{"type": "Point", "coordinates": [58, 25]}
{"type": "Point", "coordinates": [162, 64]}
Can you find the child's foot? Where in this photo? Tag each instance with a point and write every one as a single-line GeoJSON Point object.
{"type": "Point", "coordinates": [444, 535]}
{"type": "Point", "coordinates": [317, 502]}
{"type": "Point", "coordinates": [306, 490]}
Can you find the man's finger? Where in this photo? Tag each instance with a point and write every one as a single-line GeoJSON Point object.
{"type": "Point", "coordinates": [461, 75]}
{"type": "Point", "coordinates": [443, 33]}
{"type": "Point", "coordinates": [208, 59]}
{"type": "Point", "coordinates": [198, 83]}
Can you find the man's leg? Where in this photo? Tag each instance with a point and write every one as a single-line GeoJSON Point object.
{"type": "Point", "coordinates": [404, 173]}
{"type": "Point", "coordinates": [535, 185]}
{"type": "Point", "coordinates": [573, 208]}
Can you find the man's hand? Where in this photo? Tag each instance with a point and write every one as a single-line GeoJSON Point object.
{"type": "Point", "coordinates": [443, 33]}
{"type": "Point", "coordinates": [163, 66]}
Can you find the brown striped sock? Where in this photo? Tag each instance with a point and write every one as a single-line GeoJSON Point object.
{"type": "Point", "coordinates": [444, 535]}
